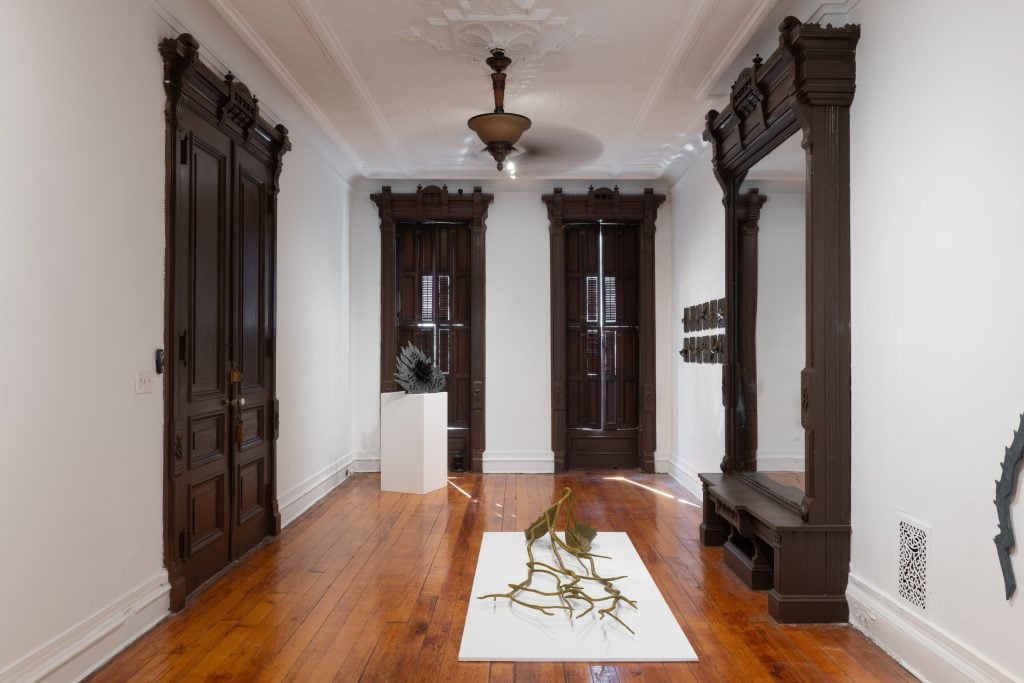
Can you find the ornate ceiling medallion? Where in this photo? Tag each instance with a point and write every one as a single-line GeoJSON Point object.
{"type": "Point", "coordinates": [471, 27]}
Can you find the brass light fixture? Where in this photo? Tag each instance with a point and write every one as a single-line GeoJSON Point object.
{"type": "Point", "coordinates": [498, 130]}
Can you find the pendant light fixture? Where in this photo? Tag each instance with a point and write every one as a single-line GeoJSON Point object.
{"type": "Point", "coordinates": [498, 130]}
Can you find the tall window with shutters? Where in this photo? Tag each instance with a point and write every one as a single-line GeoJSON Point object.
{"type": "Point", "coordinates": [433, 308]}
{"type": "Point", "coordinates": [602, 392]}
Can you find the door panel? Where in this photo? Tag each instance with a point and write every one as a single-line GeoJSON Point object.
{"type": "Point", "coordinates": [223, 265]}
{"type": "Point", "coordinates": [253, 252]}
{"type": "Point", "coordinates": [602, 354]}
{"type": "Point", "coordinates": [204, 277]}
{"type": "Point", "coordinates": [208, 237]}
{"type": "Point", "coordinates": [223, 162]}
{"type": "Point", "coordinates": [433, 309]}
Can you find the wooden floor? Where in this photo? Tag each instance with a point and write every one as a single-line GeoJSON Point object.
{"type": "Point", "coordinates": [374, 586]}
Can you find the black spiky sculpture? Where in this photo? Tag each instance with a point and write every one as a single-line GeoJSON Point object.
{"type": "Point", "coordinates": [416, 374]}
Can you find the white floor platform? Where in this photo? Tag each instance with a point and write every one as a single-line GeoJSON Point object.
{"type": "Point", "coordinates": [501, 631]}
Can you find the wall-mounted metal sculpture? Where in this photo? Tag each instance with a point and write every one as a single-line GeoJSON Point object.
{"type": "Point", "coordinates": [706, 349]}
{"type": "Point", "coordinates": [1005, 487]}
{"type": "Point", "coordinates": [709, 315]}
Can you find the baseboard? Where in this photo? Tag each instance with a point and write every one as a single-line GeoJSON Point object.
{"type": "Point", "coordinates": [302, 497]}
{"type": "Point", "coordinates": [366, 462]}
{"type": "Point", "coordinates": [662, 460]}
{"type": "Point", "coordinates": [83, 648]}
{"type": "Point", "coordinates": [687, 476]}
{"type": "Point", "coordinates": [926, 650]}
{"type": "Point", "coordinates": [519, 462]}
{"type": "Point", "coordinates": [779, 460]}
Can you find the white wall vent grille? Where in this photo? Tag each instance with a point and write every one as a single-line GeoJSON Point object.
{"type": "Point", "coordinates": [913, 563]}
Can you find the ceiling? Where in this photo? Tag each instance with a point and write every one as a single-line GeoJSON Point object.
{"type": "Point", "coordinates": [615, 88]}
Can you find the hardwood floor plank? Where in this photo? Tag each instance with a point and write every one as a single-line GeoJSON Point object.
{"type": "Point", "coordinates": [375, 586]}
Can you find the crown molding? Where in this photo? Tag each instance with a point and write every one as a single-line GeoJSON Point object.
{"type": "Point", "coordinates": [507, 185]}
{"type": "Point", "coordinates": [328, 40]}
{"type": "Point", "coordinates": [263, 52]}
{"type": "Point", "coordinates": [828, 12]}
{"type": "Point", "coordinates": [685, 159]}
{"type": "Point", "coordinates": [740, 40]}
{"type": "Point", "coordinates": [678, 52]}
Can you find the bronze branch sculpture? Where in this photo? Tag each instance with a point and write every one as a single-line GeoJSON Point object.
{"type": "Point", "coordinates": [570, 584]}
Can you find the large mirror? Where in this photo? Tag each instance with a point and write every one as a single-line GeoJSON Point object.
{"type": "Point", "coordinates": [779, 305]}
{"type": "Point", "coordinates": [780, 507]}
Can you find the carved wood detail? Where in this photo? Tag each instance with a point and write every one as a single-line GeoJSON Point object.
{"type": "Point", "coordinates": [612, 206]}
{"type": "Point", "coordinates": [433, 203]}
{"type": "Point", "coordinates": [216, 120]}
{"type": "Point", "coordinates": [806, 86]}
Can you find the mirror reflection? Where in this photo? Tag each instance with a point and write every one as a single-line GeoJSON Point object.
{"type": "Point", "coordinates": [780, 337]}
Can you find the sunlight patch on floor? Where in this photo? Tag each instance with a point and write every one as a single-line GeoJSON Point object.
{"type": "Point", "coordinates": [652, 490]}
{"type": "Point", "coordinates": [459, 489]}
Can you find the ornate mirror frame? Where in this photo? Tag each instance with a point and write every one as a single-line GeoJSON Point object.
{"type": "Point", "coordinates": [800, 551]}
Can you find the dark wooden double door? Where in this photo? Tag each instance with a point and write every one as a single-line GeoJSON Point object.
{"type": "Point", "coordinates": [602, 345]}
{"type": "Point", "coordinates": [221, 361]}
{"type": "Point", "coordinates": [434, 268]}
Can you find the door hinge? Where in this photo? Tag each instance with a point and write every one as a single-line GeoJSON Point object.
{"type": "Point", "coordinates": [183, 347]}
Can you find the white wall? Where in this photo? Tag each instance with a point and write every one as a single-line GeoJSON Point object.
{"type": "Point", "coordinates": [82, 298]}
{"type": "Point", "coordinates": [938, 386]}
{"type": "Point", "coordinates": [699, 253]}
{"type": "Point", "coordinates": [518, 348]}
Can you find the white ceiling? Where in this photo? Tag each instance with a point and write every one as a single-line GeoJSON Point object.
{"type": "Point", "coordinates": [615, 88]}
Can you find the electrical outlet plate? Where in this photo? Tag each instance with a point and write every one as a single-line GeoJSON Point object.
{"type": "Point", "coordinates": [143, 382]}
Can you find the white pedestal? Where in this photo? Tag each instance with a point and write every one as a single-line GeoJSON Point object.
{"type": "Point", "coordinates": [413, 442]}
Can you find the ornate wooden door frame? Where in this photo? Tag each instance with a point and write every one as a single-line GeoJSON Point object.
{"type": "Point", "coordinates": [229, 108]}
{"type": "Point", "coordinates": [609, 205]}
{"type": "Point", "coordinates": [433, 203]}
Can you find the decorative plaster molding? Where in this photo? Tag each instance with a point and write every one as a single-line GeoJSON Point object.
{"type": "Point", "coordinates": [733, 51]}
{"type": "Point", "coordinates": [832, 12]}
{"type": "Point", "coordinates": [471, 28]}
{"type": "Point", "coordinates": [249, 36]}
{"type": "Point", "coordinates": [325, 35]}
{"type": "Point", "coordinates": [83, 648]}
{"type": "Point", "coordinates": [677, 55]}
{"type": "Point", "coordinates": [929, 652]}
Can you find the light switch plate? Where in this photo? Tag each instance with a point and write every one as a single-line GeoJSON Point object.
{"type": "Point", "coordinates": [143, 382]}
